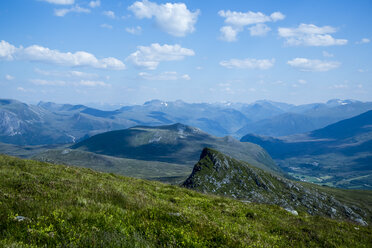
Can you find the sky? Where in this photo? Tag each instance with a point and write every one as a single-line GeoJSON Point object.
{"type": "Point", "coordinates": [129, 52]}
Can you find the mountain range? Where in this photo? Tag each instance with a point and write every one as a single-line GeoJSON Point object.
{"type": "Point", "coordinates": [51, 123]}
{"type": "Point", "coordinates": [339, 154]}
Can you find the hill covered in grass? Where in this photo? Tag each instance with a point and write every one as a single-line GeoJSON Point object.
{"type": "Point", "coordinates": [50, 205]}
{"type": "Point", "coordinates": [177, 143]}
{"type": "Point", "coordinates": [152, 170]}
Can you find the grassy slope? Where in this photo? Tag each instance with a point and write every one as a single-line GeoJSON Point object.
{"type": "Point", "coordinates": [222, 175]}
{"type": "Point", "coordinates": [128, 167]}
{"type": "Point", "coordinates": [70, 206]}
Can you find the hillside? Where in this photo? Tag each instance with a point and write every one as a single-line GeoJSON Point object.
{"type": "Point", "coordinates": [219, 174]}
{"type": "Point", "coordinates": [51, 205]}
{"type": "Point", "coordinates": [176, 143]}
{"type": "Point", "coordinates": [153, 170]}
{"type": "Point", "coordinates": [338, 155]}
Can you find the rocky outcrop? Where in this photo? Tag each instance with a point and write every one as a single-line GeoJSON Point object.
{"type": "Point", "coordinates": [222, 175]}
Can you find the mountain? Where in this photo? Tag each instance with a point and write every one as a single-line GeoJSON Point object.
{"type": "Point", "coordinates": [338, 155]}
{"type": "Point", "coordinates": [280, 125]}
{"type": "Point", "coordinates": [52, 123]}
{"type": "Point", "coordinates": [24, 124]}
{"type": "Point", "coordinates": [44, 205]}
{"type": "Point", "coordinates": [219, 174]}
{"type": "Point", "coordinates": [177, 143]}
{"type": "Point", "coordinates": [304, 118]}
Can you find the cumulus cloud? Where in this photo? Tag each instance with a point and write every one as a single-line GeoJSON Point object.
{"type": "Point", "coordinates": [310, 35]}
{"type": "Point", "coordinates": [109, 14]}
{"type": "Point", "coordinates": [150, 56]}
{"type": "Point", "coordinates": [9, 77]}
{"type": "Point", "coordinates": [259, 29]}
{"type": "Point", "coordinates": [36, 53]}
{"type": "Point", "coordinates": [229, 33]}
{"type": "Point", "coordinates": [61, 2]}
{"type": "Point", "coordinates": [94, 4]}
{"type": "Point", "coordinates": [76, 9]}
{"type": "Point", "coordinates": [248, 63]}
{"type": "Point", "coordinates": [304, 64]}
{"type": "Point", "coordinates": [174, 19]}
{"type": "Point", "coordinates": [134, 30]}
{"type": "Point", "coordinates": [164, 76]}
{"type": "Point", "coordinates": [7, 50]}
{"type": "Point", "coordinates": [237, 21]}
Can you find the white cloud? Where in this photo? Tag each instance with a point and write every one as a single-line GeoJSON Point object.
{"type": "Point", "coordinates": [302, 81]}
{"type": "Point", "coordinates": [229, 33]}
{"type": "Point", "coordinates": [9, 77]}
{"type": "Point", "coordinates": [262, 64]}
{"type": "Point", "coordinates": [364, 41]}
{"type": "Point", "coordinates": [134, 30]}
{"type": "Point", "coordinates": [310, 35]}
{"type": "Point", "coordinates": [38, 53]}
{"type": "Point", "coordinates": [238, 20]}
{"type": "Point", "coordinates": [277, 16]}
{"type": "Point", "coordinates": [93, 83]}
{"type": "Point", "coordinates": [259, 29]}
{"type": "Point", "coordinates": [304, 64]}
{"type": "Point", "coordinates": [109, 14]}
{"type": "Point", "coordinates": [61, 2]}
{"type": "Point", "coordinates": [7, 50]}
{"type": "Point", "coordinates": [150, 57]}
{"type": "Point", "coordinates": [164, 76]}
{"type": "Point", "coordinates": [89, 83]}
{"type": "Point", "coordinates": [174, 19]}
{"type": "Point", "coordinates": [94, 4]}
{"type": "Point", "coordinates": [76, 9]}
{"type": "Point", "coordinates": [106, 26]}
{"type": "Point", "coordinates": [327, 54]}
{"type": "Point", "coordinates": [68, 74]}
{"type": "Point", "coordinates": [48, 82]}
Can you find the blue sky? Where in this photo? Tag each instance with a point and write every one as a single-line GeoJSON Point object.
{"type": "Point", "coordinates": [126, 52]}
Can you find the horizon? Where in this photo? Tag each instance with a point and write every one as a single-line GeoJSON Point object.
{"type": "Point", "coordinates": [113, 106]}
{"type": "Point", "coordinates": [130, 52]}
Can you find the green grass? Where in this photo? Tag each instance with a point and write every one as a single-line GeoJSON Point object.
{"type": "Point", "coordinates": [154, 170]}
{"type": "Point", "coordinates": [69, 206]}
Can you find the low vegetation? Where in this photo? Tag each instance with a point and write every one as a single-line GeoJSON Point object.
{"type": "Point", "coordinates": [63, 206]}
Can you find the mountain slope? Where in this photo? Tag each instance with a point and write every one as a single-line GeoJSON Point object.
{"type": "Point", "coordinates": [176, 143]}
{"type": "Point", "coordinates": [338, 155]}
{"type": "Point", "coordinates": [153, 170]}
{"type": "Point", "coordinates": [59, 206]}
{"type": "Point", "coordinates": [303, 118]}
{"type": "Point", "coordinates": [220, 174]}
